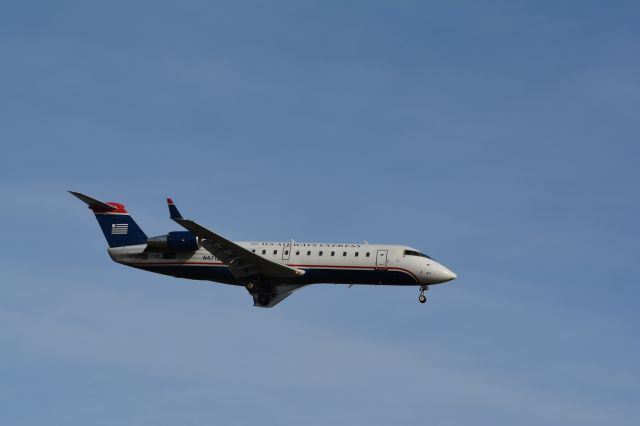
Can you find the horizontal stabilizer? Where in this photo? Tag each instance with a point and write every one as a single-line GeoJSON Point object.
{"type": "Point", "coordinates": [92, 202]}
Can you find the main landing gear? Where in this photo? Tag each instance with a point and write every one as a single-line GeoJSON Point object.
{"type": "Point", "coordinates": [260, 294]}
{"type": "Point", "coordinates": [422, 298]}
{"type": "Point", "coordinates": [264, 299]}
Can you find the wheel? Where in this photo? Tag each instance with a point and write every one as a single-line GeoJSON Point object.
{"type": "Point", "coordinates": [250, 287]}
{"type": "Point", "coordinates": [264, 300]}
{"type": "Point", "coordinates": [422, 298]}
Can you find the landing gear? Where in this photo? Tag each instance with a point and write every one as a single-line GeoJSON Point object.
{"type": "Point", "coordinates": [261, 293]}
{"type": "Point", "coordinates": [264, 299]}
{"type": "Point", "coordinates": [422, 298]}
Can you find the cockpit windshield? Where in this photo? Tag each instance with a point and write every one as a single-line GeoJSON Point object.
{"type": "Point", "coordinates": [416, 253]}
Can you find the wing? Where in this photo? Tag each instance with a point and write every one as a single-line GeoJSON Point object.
{"type": "Point", "coordinates": [246, 266]}
{"type": "Point", "coordinates": [242, 263]}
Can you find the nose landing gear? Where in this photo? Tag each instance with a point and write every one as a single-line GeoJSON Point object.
{"type": "Point", "coordinates": [422, 298]}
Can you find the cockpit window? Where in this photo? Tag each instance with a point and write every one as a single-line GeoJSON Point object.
{"type": "Point", "coordinates": [415, 253]}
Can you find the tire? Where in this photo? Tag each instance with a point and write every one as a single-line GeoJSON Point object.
{"type": "Point", "coordinates": [422, 298]}
{"type": "Point", "coordinates": [264, 300]}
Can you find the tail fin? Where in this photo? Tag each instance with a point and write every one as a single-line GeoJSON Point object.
{"type": "Point", "coordinates": [117, 225]}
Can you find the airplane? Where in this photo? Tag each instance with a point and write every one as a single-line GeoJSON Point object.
{"type": "Point", "coordinates": [270, 271]}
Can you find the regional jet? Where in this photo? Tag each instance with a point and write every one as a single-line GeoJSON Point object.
{"type": "Point", "coordinates": [270, 271]}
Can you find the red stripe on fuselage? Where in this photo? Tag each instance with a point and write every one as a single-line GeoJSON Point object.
{"type": "Point", "coordinates": [356, 267]}
{"type": "Point", "coordinates": [406, 271]}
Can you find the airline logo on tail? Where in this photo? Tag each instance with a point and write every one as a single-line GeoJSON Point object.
{"type": "Point", "coordinates": [119, 229]}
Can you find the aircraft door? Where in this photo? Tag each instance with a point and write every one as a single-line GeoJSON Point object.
{"type": "Point", "coordinates": [381, 259]}
{"type": "Point", "coordinates": [286, 252]}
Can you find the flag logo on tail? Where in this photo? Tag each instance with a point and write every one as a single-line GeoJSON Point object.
{"type": "Point", "coordinates": [119, 229]}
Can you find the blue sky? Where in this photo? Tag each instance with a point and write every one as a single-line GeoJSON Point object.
{"type": "Point", "coordinates": [499, 137]}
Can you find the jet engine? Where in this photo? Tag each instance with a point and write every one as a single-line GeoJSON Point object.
{"type": "Point", "coordinates": [177, 241]}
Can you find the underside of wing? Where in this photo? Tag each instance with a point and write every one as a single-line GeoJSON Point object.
{"type": "Point", "coordinates": [277, 294]}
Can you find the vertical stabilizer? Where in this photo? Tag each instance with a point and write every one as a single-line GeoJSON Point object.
{"type": "Point", "coordinates": [117, 225]}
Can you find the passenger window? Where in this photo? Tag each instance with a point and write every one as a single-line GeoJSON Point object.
{"type": "Point", "coordinates": [344, 253]}
{"type": "Point", "coordinates": [286, 252]}
{"type": "Point", "coordinates": [333, 253]}
{"type": "Point", "coordinates": [357, 254]}
{"type": "Point", "coordinates": [320, 253]}
{"type": "Point", "coordinates": [253, 251]}
{"type": "Point", "coordinates": [309, 253]}
{"type": "Point", "coordinates": [298, 253]}
{"type": "Point", "coordinates": [264, 252]}
{"type": "Point", "coordinates": [275, 252]}
{"type": "Point", "coordinates": [368, 254]}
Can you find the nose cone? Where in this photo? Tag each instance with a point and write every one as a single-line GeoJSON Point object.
{"type": "Point", "coordinates": [441, 274]}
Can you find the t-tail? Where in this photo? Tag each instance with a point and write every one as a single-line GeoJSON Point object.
{"type": "Point", "coordinates": [117, 225]}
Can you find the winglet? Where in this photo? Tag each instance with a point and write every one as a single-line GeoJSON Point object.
{"type": "Point", "coordinates": [173, 210]}
{"type": "Point", "coordinates": [93, 203]}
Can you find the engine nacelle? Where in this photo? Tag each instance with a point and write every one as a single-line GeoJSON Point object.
{"type": "Point", "coordinates": [176, 241]}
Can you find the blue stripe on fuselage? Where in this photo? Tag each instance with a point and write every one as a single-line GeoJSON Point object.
{"type": "Point", "coordinates": [221, 273]}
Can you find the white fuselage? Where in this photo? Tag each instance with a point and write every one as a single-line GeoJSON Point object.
{"type": "Point", "coordinates": [321, 262]}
